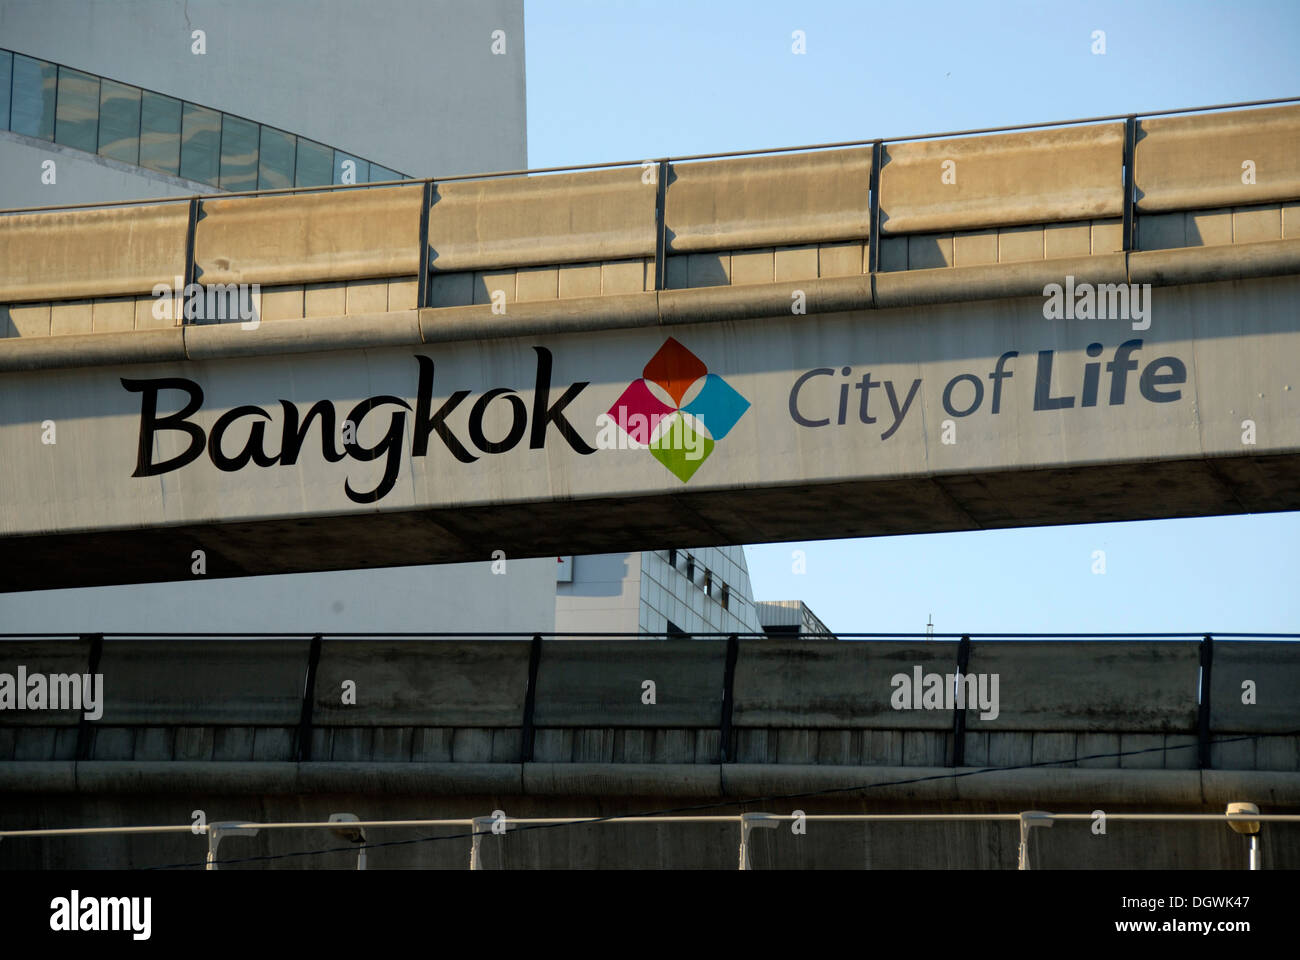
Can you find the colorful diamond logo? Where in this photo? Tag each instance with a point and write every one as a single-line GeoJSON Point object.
{"type": "Point", "coordinates": [681, 437]}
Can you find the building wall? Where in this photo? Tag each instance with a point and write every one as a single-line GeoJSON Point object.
{"type": "Point", "coordinates": [642, 593]}
{"type": "Point", "coordinates": [667, 595]}
{"type": "Point", "coordinates": [410, 84]}
{"type": "Point", "coordinates": [451, 598]}
{"type": "Point", "coordinates": [79, 177]}
{"type": "Point", "coordinates": [604, 596]}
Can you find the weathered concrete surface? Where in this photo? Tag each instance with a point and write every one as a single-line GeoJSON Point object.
{"type": "Point", "coordinates": [1100, 687]}
{"type": "Point", "coordinates": [834, 684]}
{"type": "Point", "coordinates": [373, 793]}
{"type": "Point", "coordinates": [1230, 347]}
{"type": "Point", "coordinates": [778, 200]}
{"type": "Point", "coordinates": [1199, 161]}
{"type": "Point", "coordinates": [202, 724]}
{"type": "Point", "coordinates": [1266, 675]}
{"type": "Point", "coordinates": [402, 683]}
{"type": "Point", "coordinates": [546, 219]}
{"type": "Point", "coordinates": [601, 683]}
{"type": "Point", "coordinates": [310, 237]}
{"type": "Point", "coordinates": [91, 253]}
{"type": "Point", "coordinates": [1039, 176]}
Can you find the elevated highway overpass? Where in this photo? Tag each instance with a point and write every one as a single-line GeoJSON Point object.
{"type": "Point", "coordinates": [258, 729]}
{"type": "Point", "coordinates": [1098, 321]}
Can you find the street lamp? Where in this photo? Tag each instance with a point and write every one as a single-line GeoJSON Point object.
{"type": "Point", "coordinates": [351, 834]}
{"type": "Point", "coordinates": [1248, 827]}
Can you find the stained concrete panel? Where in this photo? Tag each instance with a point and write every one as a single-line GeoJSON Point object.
{"type": "Point", "coordinates": [91, 253]}
{"type": "Point", "coordinates": [44, 657]}
{"type": "Point", "coordinates": [798, 685]}
{"type": "Point", "coordinates": [1207, 160]}
{"type": "Point", "coordinates": [589, 683]}
{"type": "Point", "coordinates": [426, 683]}
{"type": "Point", "coordinates": [1035, 177]}
{"type": "Point", "coordinates": [1265, 672]}
{"type": "Point", "coordinates": [542, 220]}
{"type": "Point", "coordinates": [311, 237]}
{"type": "Point", "coordinates": [1087, 686]}
{"type": "Point", "coordinates": [203, 682]}
{"type": "Point", "coordinates": [780, 199]}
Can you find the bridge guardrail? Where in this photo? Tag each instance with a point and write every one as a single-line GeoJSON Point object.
{"type": "Point", "coordinates": [870, 208]}
{"type": "Point", "coordinates": [1046, 176]}
{"type": "Point", "coordinates": [776, 701]}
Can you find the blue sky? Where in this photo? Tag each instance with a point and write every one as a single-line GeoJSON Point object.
{"type": "Point", "coordinates": [626, 80]}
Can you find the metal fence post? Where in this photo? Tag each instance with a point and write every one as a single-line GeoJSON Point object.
{"type": "Point", "coordinates": [661, 225]}
{"type": "Point", "coordinates": [1204, 705]}
{"type": "Point", "coordinates": [476, 839]}
{"type": "Point", "coordinates": [218, 832]}
{"type": "Point", "coordinates": [728, 697]}
{"type": "Point", "coordinates": [747, 822]}
{"type": "Point", "coordinates": [1028, 820]}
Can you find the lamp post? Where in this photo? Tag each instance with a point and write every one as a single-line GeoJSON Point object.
{"type": "Point", "coordinates": [1249, 828]}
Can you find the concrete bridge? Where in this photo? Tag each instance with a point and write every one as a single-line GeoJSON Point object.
{"type": "Point", "coordinates": [297, 728]}
{"type": "Point", "coordinates": [1091, 323]}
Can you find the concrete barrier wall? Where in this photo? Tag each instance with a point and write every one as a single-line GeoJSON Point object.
{"type": "Point", "coordinates": [837, 704]}
{"type": "Point", "coordinates": [1139, 687]}
{"type": "Point", "coordinates": [779, 200]}
{"type": "Point", "coordinates": [601, 683]}
{"type": "Point", "coordinates": [247, 682]}
{"type": "Point", "coordinates": [550, 219]}
{"type": "Point", "coordinates": [311, 237]}
{"type": "Point", "coordinates": [44, 657]}
{"type": "Point", "coordinates": [107, 252]}
{"type": "Point", "coordinates": [1206, 160]}
{"type": "Point", "coordinates": [429, 683]}
{"type": "Point", "coordinates": [1042, 176]}
{"type": "Point", "coordinates": [834, 684]}
{"type": "Point", "coordinates": [1273, 673]}
{"type": "Point", "coordinates": [975, 201]}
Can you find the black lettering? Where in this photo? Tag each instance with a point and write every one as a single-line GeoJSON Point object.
{"type": "Point", "coordinates": [1151, 379]}
{"type": "Point", "coordinates": [1043, 399]}
{"type": "Point", "coordinates": [253, 449]}
{"type": "Point", "coordinates": [390, 446]}
{"type": "Point", "coordinates": [151, 423]}
{"type": "Point", "coordinates": [947, 395]}
{"type": "Point", "coordinates": [794, 398]}
{"type": "Point", "coordinates": [544, 416]}
{"type": "Point", "coordinates": [293, 436]}
{"type": "Point", "coordinates": [517, 426]}
{"type": "Point", "coordinates": [425, 424]}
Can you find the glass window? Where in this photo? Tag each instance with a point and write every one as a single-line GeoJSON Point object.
{"type": "Point", "coordinates": [160, 133]}
{"type": "Point", "coordinates": [6, 66]}
{"type": "Point", "coordinates": [77, 119]}
{"type": "Point", "coordinates": [33, 97]}
{"type": "Point", "coordinates": [119, 121]}
{"type": "Point", "coordinates": [315, 164]}
{"type": "Point", "coordinates": [200, 143]}
{"type": "Point", "coordinates": [379, 174]}
{"type": "Point", "coordinates": [275, 160]}
{"type": "Point", "coordinates": [350, 169]}
{"type": "Point", "coordinates": [238, 153]}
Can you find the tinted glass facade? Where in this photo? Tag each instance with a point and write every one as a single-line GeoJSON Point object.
{"type": "Point", "coordinates": [49, 101]}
